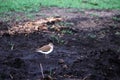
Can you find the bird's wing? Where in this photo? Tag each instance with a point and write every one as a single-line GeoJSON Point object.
{"type": "Point", "coordinates": [45, 48]}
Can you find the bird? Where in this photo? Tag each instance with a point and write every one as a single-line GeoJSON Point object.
{"type": "Point", "coordinates": [46, 49]}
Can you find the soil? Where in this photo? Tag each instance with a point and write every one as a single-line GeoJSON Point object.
{"type": "Point", "coordinates": [86, 47]}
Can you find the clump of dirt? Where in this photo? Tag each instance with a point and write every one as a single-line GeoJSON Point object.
{"type": "Point", "coordinates": [86, 48]}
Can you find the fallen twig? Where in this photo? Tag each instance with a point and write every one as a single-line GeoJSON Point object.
{"type": "Point", "coordinates": [42, 70]}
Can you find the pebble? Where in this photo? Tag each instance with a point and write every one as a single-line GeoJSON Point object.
{"type": "Point", "coordinates": [65, 66]}
{"type": "Point", "coordinates": [61, 61]}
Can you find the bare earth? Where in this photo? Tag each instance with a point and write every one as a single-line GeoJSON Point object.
{"type": "Point", "coordinates": [87, 45]}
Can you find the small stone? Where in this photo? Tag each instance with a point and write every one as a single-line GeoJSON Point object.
{"type": "Point", "coordinates": [61, 61]}
{"type": "Point", "coordinates": [65, 66]}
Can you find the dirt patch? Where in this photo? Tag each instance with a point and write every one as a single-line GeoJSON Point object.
{"type": "Point", "coordinates": [87, 47]}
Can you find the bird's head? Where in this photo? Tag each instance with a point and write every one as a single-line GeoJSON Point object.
{"type": "Point", "coordinates": [51, 44]}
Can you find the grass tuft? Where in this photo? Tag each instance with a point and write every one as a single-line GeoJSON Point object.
{"type": "Point", "coordinates": [34, 5]}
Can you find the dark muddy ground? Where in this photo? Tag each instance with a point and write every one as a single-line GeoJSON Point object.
{"type": "Point", "coordinates": [86, 48]}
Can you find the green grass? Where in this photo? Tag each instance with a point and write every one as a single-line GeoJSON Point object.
{"type": "Point", "coordinates": [34, 5]}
